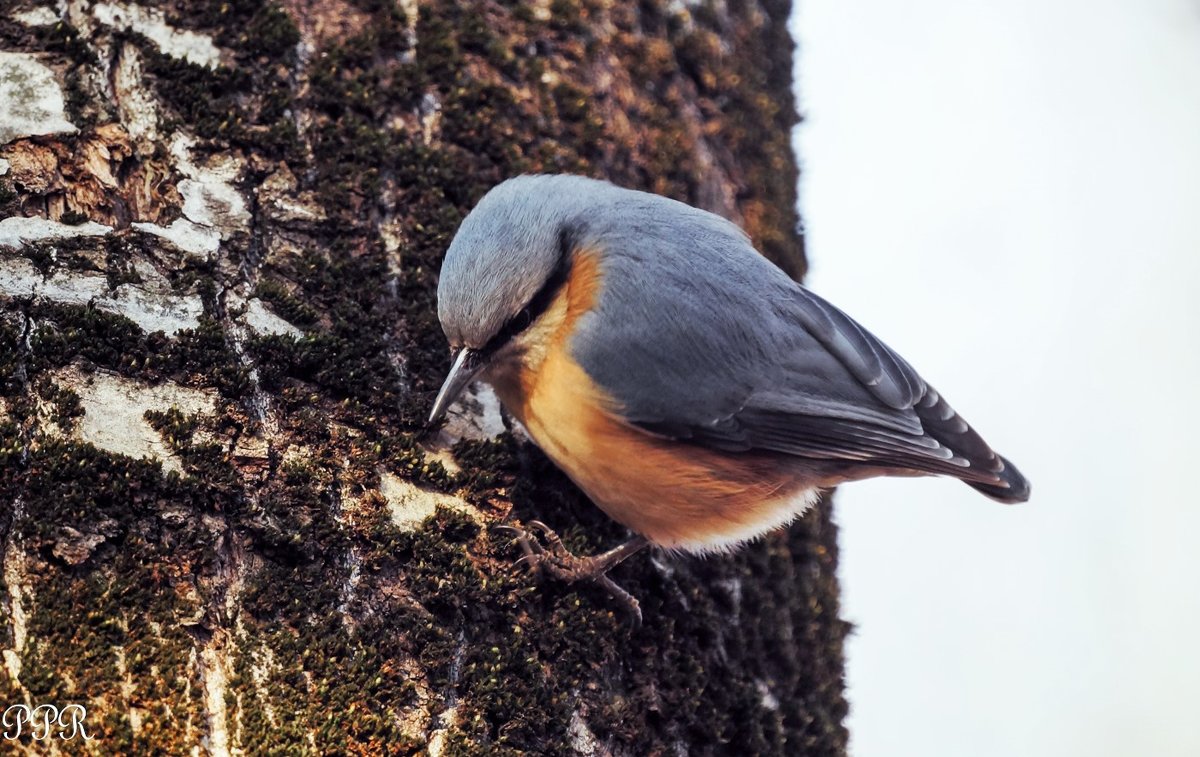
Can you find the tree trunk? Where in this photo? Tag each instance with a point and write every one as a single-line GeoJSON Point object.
{"type": "Point", "coordinates": [223, 530]}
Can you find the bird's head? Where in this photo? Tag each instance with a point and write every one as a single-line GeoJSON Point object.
{"type": "Point", "coordinates": [506, 264]}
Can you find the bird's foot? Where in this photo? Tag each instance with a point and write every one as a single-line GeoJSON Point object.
{"type": "Point", "coordinates": [558, 561]}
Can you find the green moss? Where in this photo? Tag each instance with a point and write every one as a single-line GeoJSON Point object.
{"type": "Point", "coordinates": [66, 332]}
{"type": "Point", "coordinates": [290, 308]}
{"type": "Point", "coordinates": [199, 357]}
{"type": "Point", "coordinates": [486, 465]}
{"type": "Point", "coordinates": [203, 357]}
{"type": "Point", "coordinates": [176, 428]}
{"type": "Point", "coordinates": [120, 252]}
{"type": "Point", "coordinates": [64, 39]}
{"type": "Point", "coordinates": [207, 100]}
{"type": "Point", "coordinates": [72, 254]}
{"type": "Point", "coordinates": [252, 28]}
{"type": "Point", "coordinates": [66, 407]}
{"type": "Point", "coordinates": [438, 52]}
{"type": "Point", "coordinates": [271, 33]}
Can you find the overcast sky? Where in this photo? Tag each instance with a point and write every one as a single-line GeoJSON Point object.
{"type": "Point", "coordinates": [1008, 193]}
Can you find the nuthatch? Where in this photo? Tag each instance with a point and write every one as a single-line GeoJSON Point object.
{"type": "Point", "coordinates": [691, 389]}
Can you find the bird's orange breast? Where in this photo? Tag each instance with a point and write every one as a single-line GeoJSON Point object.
{"type": "Point", "coordinates": [677, 494]}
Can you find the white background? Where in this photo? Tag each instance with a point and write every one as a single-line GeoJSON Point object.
{"type": "Point", "coordinates": [1008, 193]}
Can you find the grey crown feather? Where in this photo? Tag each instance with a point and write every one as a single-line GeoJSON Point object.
{"type": "Point", "coordinates": [503, 252]}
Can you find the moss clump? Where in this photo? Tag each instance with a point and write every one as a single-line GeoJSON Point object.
{"type": "Point", "coordinates": [64, 39]}
{"type": "Point", "coordinates": [255, 30]}
{"type": "Point", "coordinates": [64, 333]}
{"type": "Point", "coordinates": [291, 308]}
{"type": "Point", "coordinates": [271, 33]}
{"type": "Point", "coordinates": [207, 100]}
{"type": "Point", "coordinates": [203, 357]}
{"type": "Point", "coordinates": [176, 428]}
{"type": "Point", "coordinates": [120, 252]}
{"type": "Point", "coordinates": [72, 254]}
{"type": "Point", "coordinates": [65, 405]}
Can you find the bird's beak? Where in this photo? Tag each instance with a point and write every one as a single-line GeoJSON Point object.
{"type": "Point", "coordinates": [467, 363]}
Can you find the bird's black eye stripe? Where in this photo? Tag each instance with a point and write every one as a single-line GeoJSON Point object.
{"type": "Point", "coordinates": [541, 299]}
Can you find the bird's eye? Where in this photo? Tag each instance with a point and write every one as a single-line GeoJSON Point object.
{"type": "Point", "coordinates": [522, 320]}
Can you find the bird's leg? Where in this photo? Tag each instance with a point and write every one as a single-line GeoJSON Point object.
{"type": "Point", "coordinates": [559, 562]}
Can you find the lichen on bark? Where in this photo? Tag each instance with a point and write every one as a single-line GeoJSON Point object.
{"type": "Point", "coordinates": [258, 581]}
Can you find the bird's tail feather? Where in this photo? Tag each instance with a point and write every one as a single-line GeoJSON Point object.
{"type": "Point", "coordinates": [1013, 489]}
{"type": "Point", "coordinates": [988, 472]}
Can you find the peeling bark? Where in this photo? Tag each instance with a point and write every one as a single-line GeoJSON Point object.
{"type": "Point", "coordinates": [224, 530]}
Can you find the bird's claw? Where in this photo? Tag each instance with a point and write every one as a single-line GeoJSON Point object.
{"type": "Point", "coordinates": [554, 545]}
{"type": "Point", "coordinates": [532, 551]}
{"type": "Point", "coordinates": [528, 559]}
{"type": "Point", "coordinates": [508, 530]}
{"type": "Point", "coordinates": [554, 557]}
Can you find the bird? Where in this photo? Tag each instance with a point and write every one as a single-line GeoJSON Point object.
{"type": "Point", "coordinates": [689, 387]}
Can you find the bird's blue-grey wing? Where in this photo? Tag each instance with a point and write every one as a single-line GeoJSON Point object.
{"type": "Point", "coordinates": [697, 337]}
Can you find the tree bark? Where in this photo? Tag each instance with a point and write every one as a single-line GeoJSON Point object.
{"type": "Point", "coordinates": [223, 528]}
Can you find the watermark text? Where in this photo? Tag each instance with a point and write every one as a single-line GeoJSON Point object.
{"type": "Point", "coordinates": [44, 721]}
